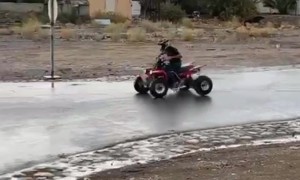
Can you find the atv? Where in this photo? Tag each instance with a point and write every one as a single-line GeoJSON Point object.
{"type": "Point", "coordinates": [156, 80]}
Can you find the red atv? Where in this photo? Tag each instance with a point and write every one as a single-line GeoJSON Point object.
{"type": "Point", "coordinates": [156, 80]}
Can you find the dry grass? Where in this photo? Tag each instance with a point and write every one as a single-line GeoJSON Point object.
{"type": "Point", "coordinates": [171, 34]}
{"type": "Point", "coordinates": [150, 26]}
{"type": "Point", "coordinates": [16, 29]}
{"type": "Point", "coordinates": [127, 24]}
{"type": "Point", "coordinates": [42, 35]}
{"type": "Point", "coordinates": [188, 35]}
{"type": "Point", "coordinates": [285, 25]}
{"type": "Point", "coordinates": [116, 36]}
{"type": "Point", "coordinates": [186, 22]}
{"type": "Point", "coordinates": [5, 31]}
{"type": "Point", "coordinates": [256, 32]}
{"type": "Point", "coordinates": [67, 34]}
{"type": "Point", "coordinates": [270, 25]}
{"type": "Point", "coordinates": [192, 34]}
{"type": "Point", "coordinates": [165, 24]}
{"type": "Point", "coordinates": [95, 24]}
{"type": "Point", "coordinates": [233, 23]}
{"type": "Point", "coordinates": [30, 28]}
{"type": "Point", "coordinates": [199, 32]}
{"type": "Point", "coordinates": [220, 35]}
{"type": "Point", "coordinates": [119, 27]}
{"type": "Point", "coordinates": [137, 34]}
{"type": "Point", "coordinates": [116, 30]}
{"type": "Point", "coordinates": [114, 17]}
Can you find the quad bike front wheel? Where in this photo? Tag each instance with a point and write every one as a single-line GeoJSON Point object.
{"type": "Point", "coordinates": [203, 85]}
{"type": "Point", "coordinates": [139, 86]}
{"type": "Point", "coordinates": [159, 88]}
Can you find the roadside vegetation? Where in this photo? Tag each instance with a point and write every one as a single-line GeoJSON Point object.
{"type": "Point", "coordinates": [225, 19]}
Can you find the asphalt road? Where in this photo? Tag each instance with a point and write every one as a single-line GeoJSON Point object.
{"type": "Point", "coordinates": [38, 122]}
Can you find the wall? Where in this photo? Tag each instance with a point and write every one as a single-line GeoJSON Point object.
{"type": "Point", "coordinates": [96, 6]}
{"type": "Point", "coordinates": [21, 7]}
{"type": "Point", "coordinates": [123, 7]}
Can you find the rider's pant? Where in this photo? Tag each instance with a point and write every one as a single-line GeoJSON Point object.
{"type": "Point", "coordinates": [171, 69]}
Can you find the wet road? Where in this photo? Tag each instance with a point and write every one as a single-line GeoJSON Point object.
{"type": "Point", "coordinates": [38, 123]}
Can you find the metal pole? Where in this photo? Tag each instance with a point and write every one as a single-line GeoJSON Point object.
{"type": "Point", "coordinates": [52, 39]}
{"type": "Point", "coordinates": [298, 7]}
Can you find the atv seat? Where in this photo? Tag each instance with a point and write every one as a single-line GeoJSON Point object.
{"type": "Point", "coordinates": [185, 67]}
{"type": "Point", "coordinates": [186, 64]}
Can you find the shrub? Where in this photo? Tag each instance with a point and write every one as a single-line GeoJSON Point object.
{"type": "Point", "coordinates": [16, 29]}
{"type": "Point", "coordinates": [127, 23]}
{"type": "Point", "coordinates": [171, 35]}
{"type": "Point", "coordinates": [199, 32]}
{"type": "Point", "coordinates": [30, 27]}
{"type": "Point", "coordinates": [227, 9]}
{"type": "Point", "coordinates": [5, 31]}
{"type": "Point", "coordinates": [186, 22]}
{"type": "Point", "coordinates": [149, 26]}
{"type": "Point", "coordinates": [165, 24]}
{"type": "Point", "coordinates": [67, 34]}
{"type": "Point", "coordinates": [119, 27]}
{"type": "Point", "coordinates": [114, 17]}
{"type": "Point", "coordinates": [42, 34]}
{"type": "Point", "coordinates": [283, 6]}
{"type": "Point", "coordinates": [262, 32]}
{"type": "Point", "coordinates": [116, 30]}
{"type": "Point", "coordinates": [67, 18]}
{"type": "Point", "coordinates": [256, 32]}
{"type": "Point", "coordinates": [188, 35]}
{"type": "Point", "coordinates": [136, 34]}
{"type": "Point", "coordinates": [234, 22]}
{"type": "Point", "coordinates": [171, 12]}
{"type": "Point", "coordinates": [270, 25]}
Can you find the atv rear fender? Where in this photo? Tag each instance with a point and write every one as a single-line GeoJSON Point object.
{"type": "Point", "coordinates": [159, 74]}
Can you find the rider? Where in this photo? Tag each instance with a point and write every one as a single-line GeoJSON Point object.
{"type": "Point", "coordinates": [171, 54]}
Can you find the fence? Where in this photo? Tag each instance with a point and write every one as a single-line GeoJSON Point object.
{"type": "Point", "coordinates": [21, 7]}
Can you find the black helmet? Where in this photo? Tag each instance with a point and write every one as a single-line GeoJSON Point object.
{"type": "Point", "coordinates": [164, 43]}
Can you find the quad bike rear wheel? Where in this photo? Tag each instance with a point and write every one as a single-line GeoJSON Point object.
{"type": "Point", "coordinates": [203, 85]}
{"type": "Point", "coordinates": [159, 88]}
{"type": "Point", "coordinates": [139, 86]}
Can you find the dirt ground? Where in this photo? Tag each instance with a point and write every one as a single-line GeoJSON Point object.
{"type": "Point", "coordinates": [272, 162]}
{"type": "Point", "coordinates": [220, 47]}
{"type": "Point", "coordinates": [26, 60]}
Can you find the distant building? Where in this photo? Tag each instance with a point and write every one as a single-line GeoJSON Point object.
{"type": "Point", "coordinates": [267, 10]}
{"type": "Point", "coordinates": [122, 7]}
